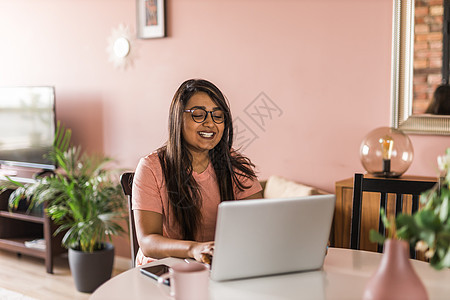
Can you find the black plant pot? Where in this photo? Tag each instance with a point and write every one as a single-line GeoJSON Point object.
{"type": "Point", "coordinates": [90, 270]}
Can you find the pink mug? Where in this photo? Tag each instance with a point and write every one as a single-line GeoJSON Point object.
{"type": "Point", "coordinates": [188, 281]}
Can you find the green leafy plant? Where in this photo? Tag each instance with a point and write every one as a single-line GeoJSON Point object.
{"type": "Point", "coordinates": [429, 228]}
{"type": "Point", "coordinates": [83, 197]}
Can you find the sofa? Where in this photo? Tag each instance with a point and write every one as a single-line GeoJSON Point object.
{"type": "Point", "coordinates": [280, 187]}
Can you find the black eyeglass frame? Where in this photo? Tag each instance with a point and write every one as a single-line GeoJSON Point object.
{"type": "Point", "coordinates": [206, 115]}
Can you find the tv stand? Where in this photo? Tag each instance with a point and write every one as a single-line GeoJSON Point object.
{"type": "Point", "coordinates": [19, 227]}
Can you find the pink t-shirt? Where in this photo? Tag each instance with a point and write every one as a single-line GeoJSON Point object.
{"type": "Point", "coordinates": [150, 193]}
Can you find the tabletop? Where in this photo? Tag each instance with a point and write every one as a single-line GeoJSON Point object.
{"type": "Point", "coordinates": [343, 276]}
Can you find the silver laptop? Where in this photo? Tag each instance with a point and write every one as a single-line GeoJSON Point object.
{"type": "Point", "coordinates": [271, 236]}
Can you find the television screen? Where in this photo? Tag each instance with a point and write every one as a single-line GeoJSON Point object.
{"type": "Point", "coordinates": [27, 126]}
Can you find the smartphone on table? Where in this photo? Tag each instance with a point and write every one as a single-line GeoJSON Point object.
{"type": "Point", "coordinates": [156, 271]}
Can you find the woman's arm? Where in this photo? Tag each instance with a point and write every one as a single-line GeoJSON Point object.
{"type": "Point", "coordinates": [154, 244]}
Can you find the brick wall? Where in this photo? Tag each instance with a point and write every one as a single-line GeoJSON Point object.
{"type": "Point", "coordinates": [427, 52]}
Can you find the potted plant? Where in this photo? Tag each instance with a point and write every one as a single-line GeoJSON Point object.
{"type": "Point", "coordinates": [427, 230]}
{"type": "Point", "coordinates": [85, 200]}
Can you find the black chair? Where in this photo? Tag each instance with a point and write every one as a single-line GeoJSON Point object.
{"type": "Point", "coordinates": [384, 186]}
{"type": "Point", "coordinates": [126, 179]}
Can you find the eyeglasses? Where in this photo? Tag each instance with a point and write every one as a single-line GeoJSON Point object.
{"type": "Point", "coordinates": [199, 115]}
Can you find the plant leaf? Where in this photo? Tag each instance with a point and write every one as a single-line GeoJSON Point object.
{"type": "Point", "coordinates": [426, 219]}
{"type": "Point", "coordinates": [406, 227]}
{"type": "Point", "coordinates": [444, 210]}
{"type": "Point", "coordinates": [376, 237]}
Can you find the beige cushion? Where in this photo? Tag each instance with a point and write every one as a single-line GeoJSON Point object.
{"type": "Point", "coordinates": [279, 187]}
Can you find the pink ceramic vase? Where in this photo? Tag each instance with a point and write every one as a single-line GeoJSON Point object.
{"type": "Point", "coordinates": [395, 278]}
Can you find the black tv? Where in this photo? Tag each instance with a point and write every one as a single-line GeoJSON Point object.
{"type": "Point", "coordinates": [27, 126]}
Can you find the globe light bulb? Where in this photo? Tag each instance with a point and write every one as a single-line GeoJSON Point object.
{"type": "Point", "coordinates": [386, 152]}
{"type": "Point", "coordinates": [387, 143]}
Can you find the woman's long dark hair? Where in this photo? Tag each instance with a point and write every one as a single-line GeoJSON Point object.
{"type": "Point", "coordinates": [176, 161]}
{"type": "Point", "coordinates": [440, 104]}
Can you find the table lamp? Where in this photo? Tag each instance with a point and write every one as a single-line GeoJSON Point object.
{"type": "Point", "coordinates": [386, 152]}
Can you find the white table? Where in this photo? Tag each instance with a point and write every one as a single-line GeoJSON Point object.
{"type": "Point", "coordinates": [344, 276]}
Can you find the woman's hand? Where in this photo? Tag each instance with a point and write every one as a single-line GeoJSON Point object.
{"type": "Point", "coordinates": [203, 252]}
{"type": "Point", "coordinates": [149, 228]}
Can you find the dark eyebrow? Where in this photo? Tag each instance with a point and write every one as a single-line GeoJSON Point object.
{"type": "Point", "coordinates": [203, 107]}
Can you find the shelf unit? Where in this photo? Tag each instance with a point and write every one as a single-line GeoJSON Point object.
{"type": "Point", "coordinates": [17, 227]}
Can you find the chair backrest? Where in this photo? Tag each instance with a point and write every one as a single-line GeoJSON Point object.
{"type": "Point", "coordinates": [384, 186]}
{"type": "Point", "coordinates": [126, 179]}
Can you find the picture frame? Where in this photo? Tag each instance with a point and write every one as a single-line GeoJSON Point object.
{"type": "Point", "coordinates": [151, 19]}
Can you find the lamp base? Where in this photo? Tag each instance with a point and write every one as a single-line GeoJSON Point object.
{"type": "Point", "coordinates": [387, 174]}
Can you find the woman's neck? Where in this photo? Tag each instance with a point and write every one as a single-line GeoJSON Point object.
{"type": "Point", "coordinates": [200, 162]}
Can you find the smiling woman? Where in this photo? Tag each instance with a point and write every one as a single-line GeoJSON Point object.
{"type": "Point", "coordinates": [177, 189]}
{"type": "Point", "coordinates": [202, 133]}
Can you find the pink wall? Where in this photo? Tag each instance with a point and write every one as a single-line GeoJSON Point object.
{"type": "Point", "coordinates": [324, 63]}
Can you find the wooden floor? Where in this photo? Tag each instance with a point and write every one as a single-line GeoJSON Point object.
{"type": "Point", "coordinates": [26, 275]}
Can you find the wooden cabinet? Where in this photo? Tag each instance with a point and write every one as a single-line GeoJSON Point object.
{"type": "Point", "coordinates": [369, 211]}
{"type": "Point", "coordinates": [21, 226]}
